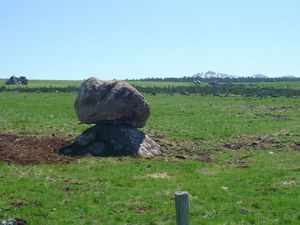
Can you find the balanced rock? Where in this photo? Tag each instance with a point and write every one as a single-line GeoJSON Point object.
{"type": "Point", "coordinates": [116, 102]}
{"type": "Point", "coordinates": [118, 110]}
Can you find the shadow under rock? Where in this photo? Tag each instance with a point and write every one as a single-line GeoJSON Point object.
{"type": "Point", "coordinates": [109, 139]}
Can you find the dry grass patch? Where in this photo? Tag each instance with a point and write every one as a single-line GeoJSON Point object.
{"type": "Point", "coordinates": [207, 171]}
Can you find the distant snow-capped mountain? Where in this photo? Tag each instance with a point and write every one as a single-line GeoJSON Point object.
{"type": "Point", "coordinates": [289, 76]}
{"type": "Point", "coordinates": [259, 76]}
{"type": "Point", "coordinates": [212, 74]}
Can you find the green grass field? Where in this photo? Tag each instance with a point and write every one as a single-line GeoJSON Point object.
{"type": "Point", "coordinates": [292, 85]}
{"type": "Point", "coordinates": [59, 83]}
{"type": "Point", "coordinates": [64, 83]}
{"type": "Point", "coordinates": [253, 179]}
{"type": "Point", "coordinates": [46, 83]}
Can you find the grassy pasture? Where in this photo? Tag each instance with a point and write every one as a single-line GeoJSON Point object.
{"type": "Point", "coordinates": [292, 85]}
{"type": "Point", "coordinates": [178, 117]}
{"type": "Point", "coordinates": [254, 180]}
{"type": "Point", "coordinates": [64, 83]}
{"type": "Point", "coordinates": [46, 83]}
{"type": "Point", "coordinates": [59, 83]}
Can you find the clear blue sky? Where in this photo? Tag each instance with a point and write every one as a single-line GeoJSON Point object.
{"type": "Point", "coordinates": [69, 39]}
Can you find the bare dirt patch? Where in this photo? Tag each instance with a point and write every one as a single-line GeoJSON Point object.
{"type": "Point", "coordinates": [273, 143]}
{"type": "Point", "coordinates": [143, 209]}
{"type": "Point", "coordinates": [240, 162]}
{"type": "Point", "coordinates": [296, 146]}
{"type": "Point", "coordinates": [162, 175]}
{"type": "Point", "coordinates": [27, 149]}
{"type": "Point", "coordinates": [65, 181]}
{"type": "Point", "coordinates": [184, 149]}
{"type": "Point", "coordinates": [207, 171]}
{"type": "Point", "coordinates": [275, 116]}
{"type": "Point", "coordinates": [267, 142]}
{"type": "Point", "coordinates": [267, 108]}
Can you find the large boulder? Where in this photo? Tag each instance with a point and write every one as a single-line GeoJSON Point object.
{"type": "Point", "coordinates": [115, 102]}
{"type": "Point", "coordinates": [16, 221]}
{"type": "Point", "coordinates": [16, 80]}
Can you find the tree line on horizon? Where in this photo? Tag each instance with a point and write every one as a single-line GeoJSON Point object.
{"type": "Point", "coordinates": [211, 76]}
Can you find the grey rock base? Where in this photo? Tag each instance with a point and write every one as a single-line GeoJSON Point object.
{"type": "Point", "coordinates": [16, 221]}
{"type": "Point", "coordinates": [110, 139]}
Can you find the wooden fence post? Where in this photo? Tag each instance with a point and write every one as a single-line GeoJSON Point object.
{"type": "Point", "coordinates": [182, 208]}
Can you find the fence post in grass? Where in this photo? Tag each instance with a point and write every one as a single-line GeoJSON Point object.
{"type": "Point", "coordinates": [182, 208]}
{"type": "Point", "coordinates": [288, 92]}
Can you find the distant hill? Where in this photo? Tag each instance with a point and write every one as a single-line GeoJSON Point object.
{"type": "Point", "coordinates": [211, 76]}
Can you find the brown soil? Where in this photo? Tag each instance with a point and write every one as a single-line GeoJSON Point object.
{"type": "Point", "coordinates": [26, 149]}
{"type": "Point", "coordinates": [268, 108]}
{"type": "Point", "coordinates": [296, 146]}
{"type": "Point", "coordinates": [248, 141]}
{"type": "Point", "coordinates": [143, 209]}
{"type": "Point", "coordinates": [274, 142]}
{"type": "Point", "coordinates": [21, 221]}
{"type": "Point", "coordinates": [240, 162]}
{"type": "Point", "coordinates": [184, 149]}
{"type": "Point", "coordinates": [276, 116]}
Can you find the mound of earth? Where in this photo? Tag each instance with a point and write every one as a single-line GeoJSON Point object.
{"type": "Point", "coordinates": [27, 149]}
